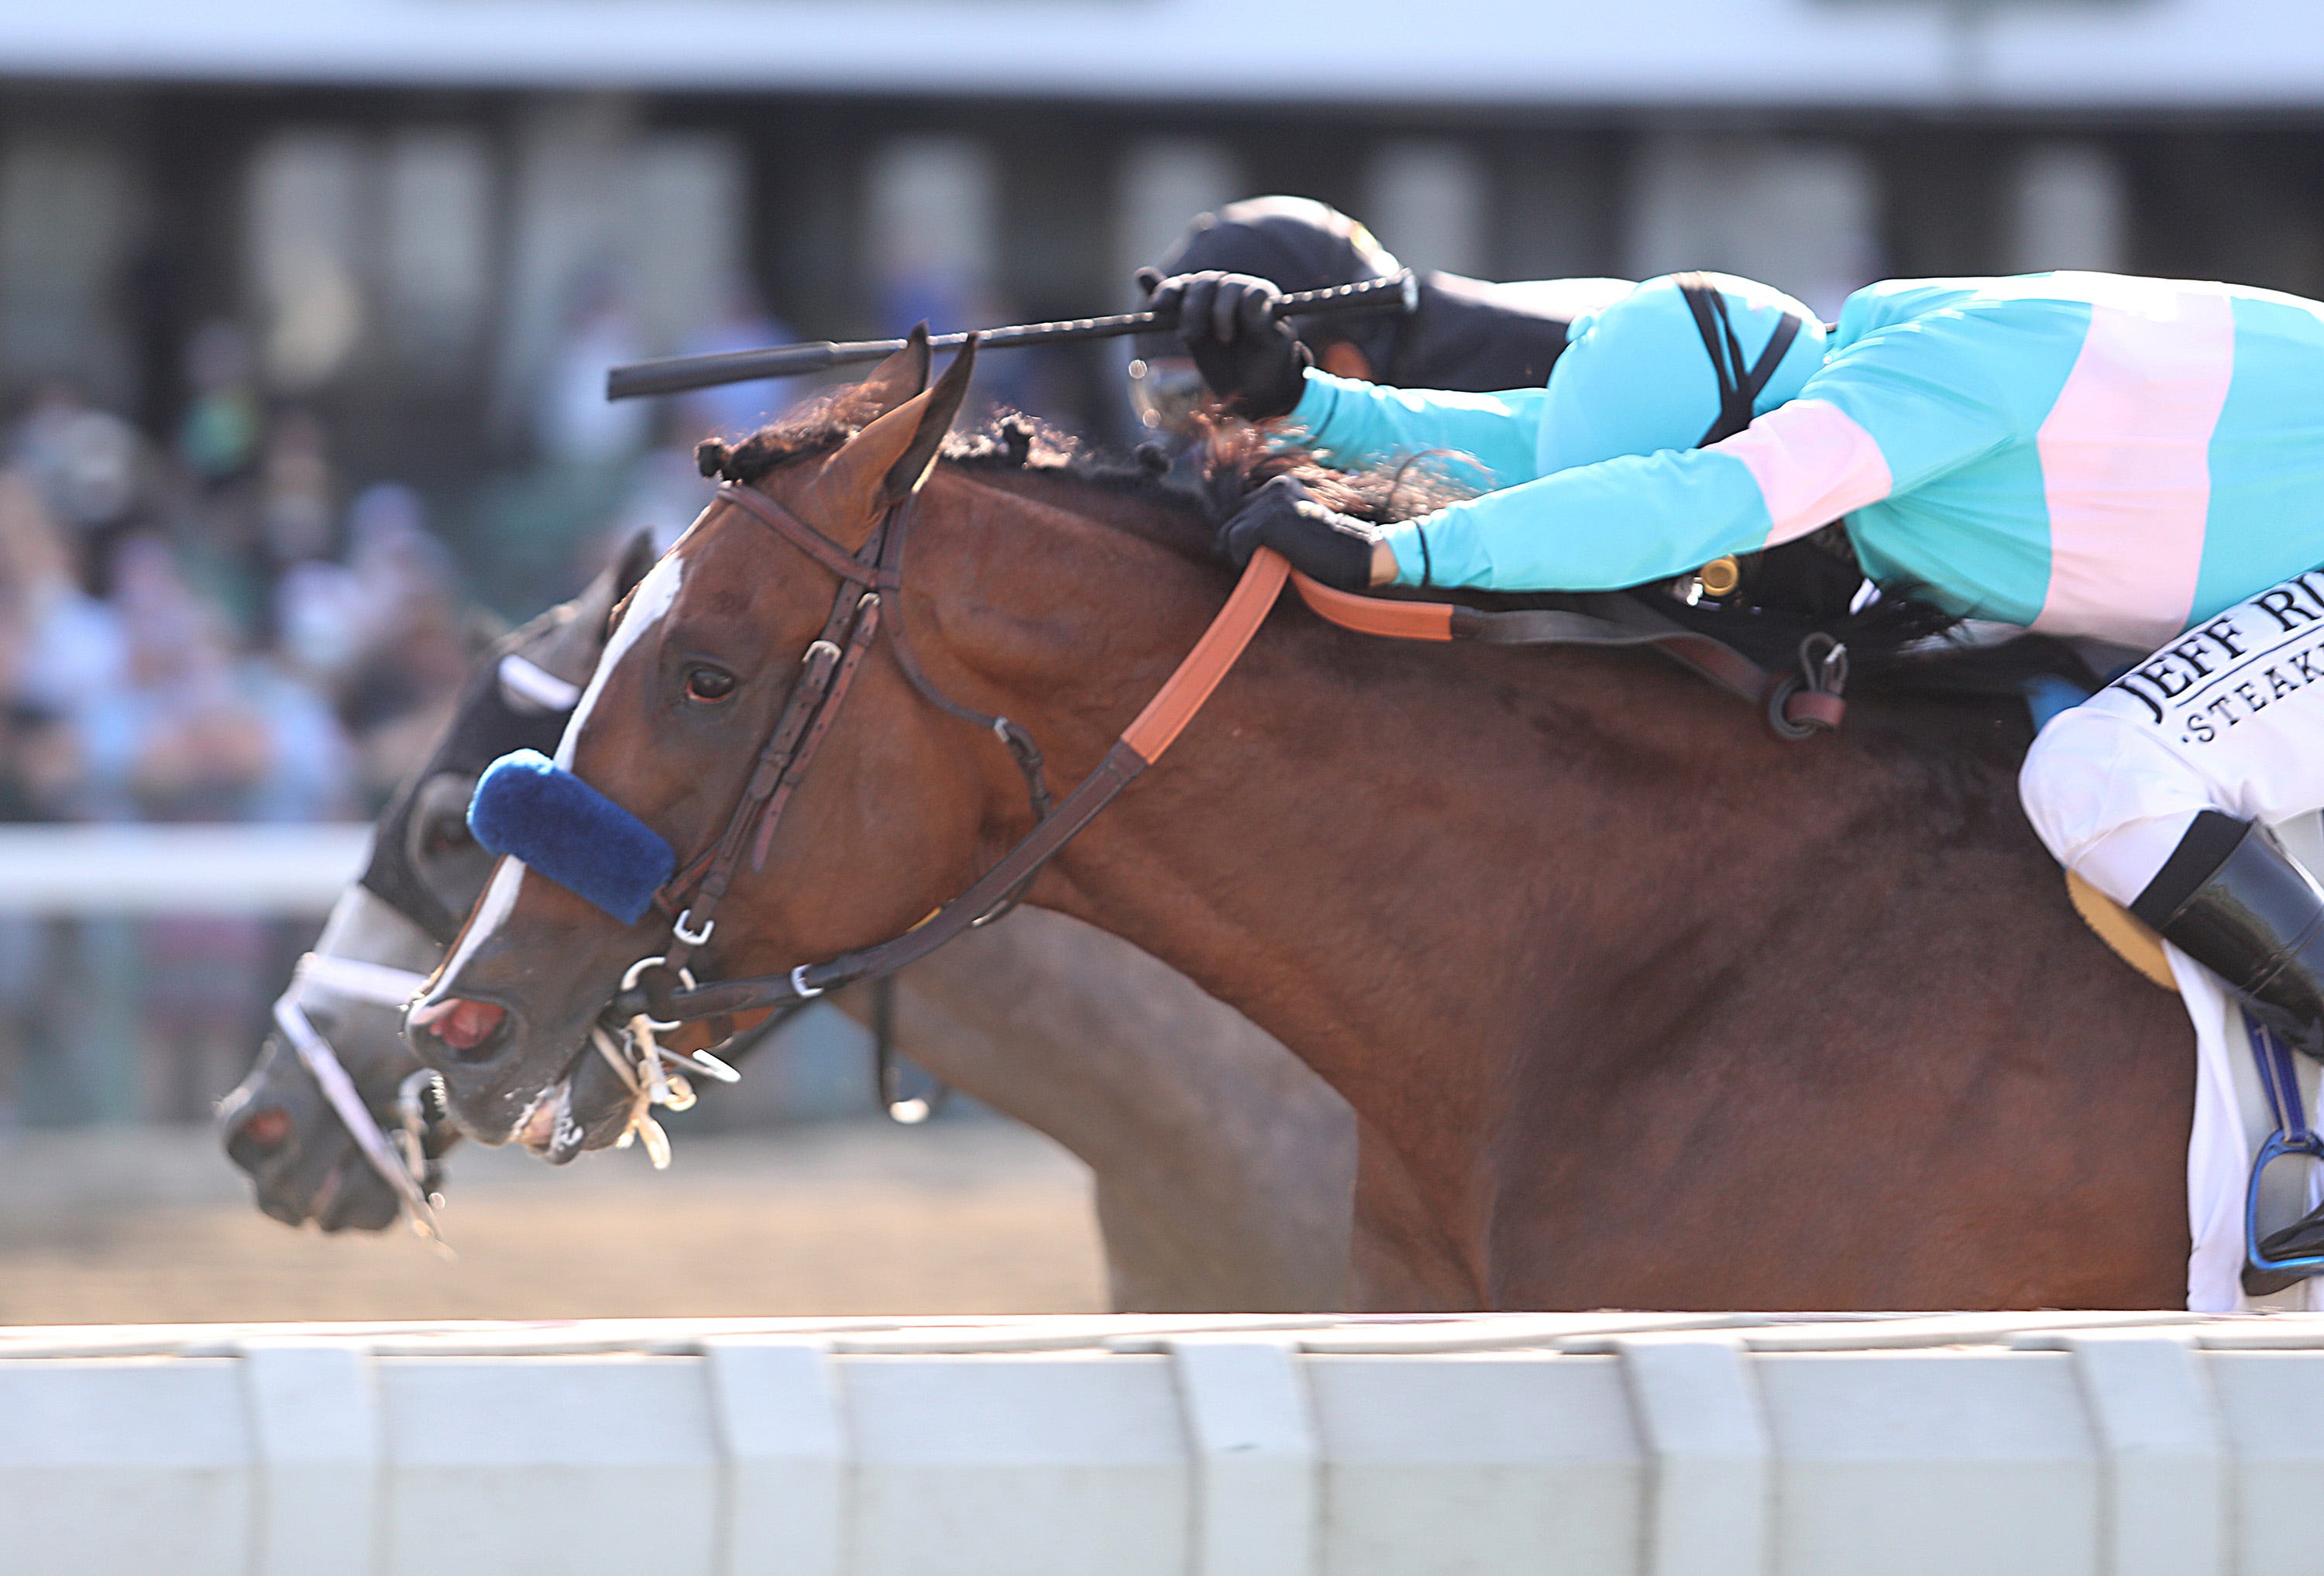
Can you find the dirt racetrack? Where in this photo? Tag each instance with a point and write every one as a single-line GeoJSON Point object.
{"type": "Point", "coordinates": [969, 1215]}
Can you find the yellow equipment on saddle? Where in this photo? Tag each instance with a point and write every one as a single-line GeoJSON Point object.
{"type": "Point", "coordinates": [2122, 930]}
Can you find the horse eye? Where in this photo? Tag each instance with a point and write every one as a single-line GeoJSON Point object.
{"type": "Point", "coordinates": [445, 834]}
{"type": "Point", "coordinates": [708, 684]}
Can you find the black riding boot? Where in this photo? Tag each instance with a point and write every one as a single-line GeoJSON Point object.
{"type": "Point", "coordinates": [2232, 900]}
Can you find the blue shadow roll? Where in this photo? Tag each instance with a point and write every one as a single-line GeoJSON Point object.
{"type": "Point", "coordinates": [529, 806]}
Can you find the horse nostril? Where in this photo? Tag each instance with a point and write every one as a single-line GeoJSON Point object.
{"type": "Point", "coordinates": [258, 1137]}
{"type": "Point", "coordinates": [268, 1128]}
{"type": "Point", "coordinates": [470, 1030]}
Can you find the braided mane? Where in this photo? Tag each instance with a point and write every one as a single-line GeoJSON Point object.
{"type": "Point", "coordinates": [1897, 643]}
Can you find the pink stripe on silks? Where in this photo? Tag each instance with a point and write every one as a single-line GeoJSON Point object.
{"type": "Point", "coordinates": [2126, 460]}
{"type": "Point", "coordinates": [1813, 463]}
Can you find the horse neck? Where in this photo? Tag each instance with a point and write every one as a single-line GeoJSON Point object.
{"type": "Point", "coordinates": [1406, 863]}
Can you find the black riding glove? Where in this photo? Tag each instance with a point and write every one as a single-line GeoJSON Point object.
{"type": "Point", "coordinates": [1249, 358]}
{"type": "Point", "coordinates": [1321, 543]}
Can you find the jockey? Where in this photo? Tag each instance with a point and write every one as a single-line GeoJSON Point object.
{"type": "Point", "coordinates": [1464, 334]}
{"type": "Point", "coordinates": [2134, 461]}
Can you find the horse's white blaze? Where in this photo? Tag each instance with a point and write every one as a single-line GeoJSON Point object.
{"type": "Point", "coordinates": [648, 605]}
{"type": "Point", "coordinates": [499, 897]}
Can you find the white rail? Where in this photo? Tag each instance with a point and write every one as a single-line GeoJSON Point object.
{"type": "Point", "coordinates": [135, 870]}
{"type": "Point", "coordinates": [1633, 1444]}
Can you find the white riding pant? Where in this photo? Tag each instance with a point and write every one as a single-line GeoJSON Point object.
{"type": "Point", "coordinates": [2229, 717]}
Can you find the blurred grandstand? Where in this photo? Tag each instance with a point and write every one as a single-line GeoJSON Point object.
{"type": "Point", "coordinates": [305, 308]}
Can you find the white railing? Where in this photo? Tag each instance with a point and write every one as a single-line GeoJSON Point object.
{"type": "Point", "coordinates": [1277, 1446]}
{"type": "Point", "coordinates": [133, 870]}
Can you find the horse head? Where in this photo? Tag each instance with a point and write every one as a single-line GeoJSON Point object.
{"type": "Point", "coordinates": [667, 740]}
{"type": "Point", "coordinates": [425, 871]}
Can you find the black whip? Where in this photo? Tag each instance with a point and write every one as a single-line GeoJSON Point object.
{"type": "Point", "coordinates": [1399, 292]}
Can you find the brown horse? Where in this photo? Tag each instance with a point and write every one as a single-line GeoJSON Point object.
{"type": "Point", "coordinates": [1220, 1167]}
{"type": "Point", "coordinates": [1636, 1005]}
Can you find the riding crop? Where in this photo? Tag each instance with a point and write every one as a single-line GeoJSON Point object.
{"type": "Point", "coordinates": [1399, 292]}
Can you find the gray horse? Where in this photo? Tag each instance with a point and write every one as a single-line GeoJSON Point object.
{"type": "Point", "coordinates": [1224, 1167]}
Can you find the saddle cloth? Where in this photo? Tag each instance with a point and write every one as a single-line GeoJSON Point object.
{"type": "Point", "coordinates": [2232, 1115]}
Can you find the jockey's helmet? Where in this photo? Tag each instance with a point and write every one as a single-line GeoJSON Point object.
{"type": "Point", "coordinates": [1295, 241]}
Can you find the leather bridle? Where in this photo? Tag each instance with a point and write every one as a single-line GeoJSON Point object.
{"type": "Point", "coordinates": [663, 990]}
{"type": "Point", "coordinates": [827, 672]}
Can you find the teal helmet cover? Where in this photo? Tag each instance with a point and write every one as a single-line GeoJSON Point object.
{"type": "Point", "coordinates": [1636, 378]}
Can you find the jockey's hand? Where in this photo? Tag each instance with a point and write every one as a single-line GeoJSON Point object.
{"type": "Point", "coordinates": [1338, 549]}
{"type": "Point", "coordinates": [1249, 358]}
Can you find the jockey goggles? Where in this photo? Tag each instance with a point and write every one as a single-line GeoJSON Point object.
{"type": "Point", "coordinates": [1165, 389]}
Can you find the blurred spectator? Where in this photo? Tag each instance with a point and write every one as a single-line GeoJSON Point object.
{"type": "Point", "coordinates": [574, 424]}
{"type": "Point", "coordinates": [388, 635]}
{"type": "Point", "coordinates": [666, 491]}
{"type": "Point", "coordinates": [55, 642]}
{"type": "Point", "coordinates": [218, 438]}
{"type": "Point", "coordinates": [1038, 382]}
{"type": "Point", "coordinates": [192, 732]}
{"type": "Point", "coordinates": [58, 644]}
{"type": "Point", "coordinates": [732, 411]}
{"type": "Point", "coordinates": [87, 465]}
{"type": "Point", "coordinates": [196, 733]}
{"type": "Point", "coordinates": [295, 489]}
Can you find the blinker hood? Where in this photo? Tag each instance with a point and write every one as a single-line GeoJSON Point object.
{"type": "Point", "coordinates": [528, 808]}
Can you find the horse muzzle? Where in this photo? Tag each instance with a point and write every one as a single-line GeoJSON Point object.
{"type": "Point", "coordinates": [277, 1127]}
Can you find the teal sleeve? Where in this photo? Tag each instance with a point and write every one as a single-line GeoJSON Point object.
{"type": "Point", "coordinates": [1594, 528]}
{"type": "Point", "coordinates": [1352, 425]}
{"type": "Point", "coordinates": [1927, 395]}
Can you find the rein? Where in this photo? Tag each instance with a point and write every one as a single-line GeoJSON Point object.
{"type": "Point", "coordinates": [658, 990]}
{"type": "Point", "coordinates": [401, 1161]}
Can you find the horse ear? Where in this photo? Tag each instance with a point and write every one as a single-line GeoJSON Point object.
{"type": "Point", "coordinates": [636, 560]}
{"type": "Point", "coordinates": [885, 464]}
{"type": "Point", "coordinates": [912, 468]}
{"type": "Point", "coordinates": [900, 376]}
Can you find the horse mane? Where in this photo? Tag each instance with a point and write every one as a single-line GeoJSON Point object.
{"type": "Point", "coordinates": [1897, 644]}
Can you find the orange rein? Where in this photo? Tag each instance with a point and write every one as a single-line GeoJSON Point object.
{"type": "Point", "coordinates": [1182, 694]}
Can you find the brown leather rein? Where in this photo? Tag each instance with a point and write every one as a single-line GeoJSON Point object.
{"type": "Point", "coordinates": [1795, 703]}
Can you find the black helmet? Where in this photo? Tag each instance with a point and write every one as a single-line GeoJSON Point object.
{"type": "Point", "coordinates": [1294, 242]}
{"type": "Point", "coordinates": [1299, 243]}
